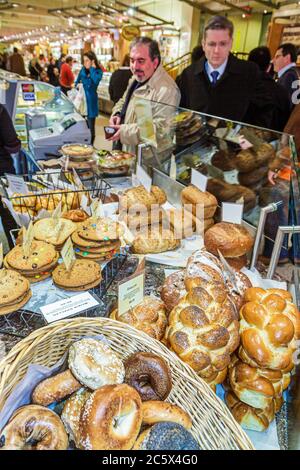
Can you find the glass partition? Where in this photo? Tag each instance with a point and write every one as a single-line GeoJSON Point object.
{"type": "Point", "coordinates": [237, 159]}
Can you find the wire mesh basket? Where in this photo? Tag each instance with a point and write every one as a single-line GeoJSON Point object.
{"type": "Point", "coordinates": [23, 322]}
{"type": "Point", "coordinates": [47, 189]}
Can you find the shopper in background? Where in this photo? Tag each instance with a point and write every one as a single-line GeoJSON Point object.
{"type": "Point", "coordinates": [44, 76]}
{"type": "Point", "coordinates": [61, 61]}
{"type": "Point", "coordinates": [119, 80]}
{"type": "Point", "coordinates": [90, 76]}
{"type": "Point", "coordinates": [285, 65]}
{"type": "Point", "coordinates": [9, 144]}
{"type": "Point", "coordinates": [222, 85]}
{"type": "Point", "coordinates": [150, 81]}
{"type": "Point", "coordinates": [35, 69]}
{"type": "Point", "coordinates": [53, 72]}
{"type": "Point", "coordinates": [66, 78]}
{"type": "Point", "coordinates": [280, 97]}
{"type": "Point", "coordinates": [2, 61]}
{"type": "Point", "coordinates": [16, 64]}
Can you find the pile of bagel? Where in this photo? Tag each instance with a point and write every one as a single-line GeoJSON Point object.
{"type": "Point", "coordinates": [102, 403]}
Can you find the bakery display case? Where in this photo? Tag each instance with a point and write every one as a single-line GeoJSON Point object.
{"type": "Point", "coordinates": [43, 103]}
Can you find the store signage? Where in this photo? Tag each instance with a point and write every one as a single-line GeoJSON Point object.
{"type": "Point", "coordinates": [68, 307]}
{"type": "Point", "coordinates": [232, 212]}
{"type": "Point", "coordinates": [129, 32]}
{"type": "Point", "coordinates": [199, 180]}
{"type": "Point", "coordinates": [131, 292]}
{"type": "Point", "coordinates": [68, 254]}
{"type": "Point", "coordinates": [16, 184]}
{"type": "Point", "coordinates": [28, 91]}
{"type": "Point", "coordinates": [144, 178]}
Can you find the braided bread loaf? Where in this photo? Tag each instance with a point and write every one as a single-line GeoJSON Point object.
{"type": "Point", "coordinates": [254, 419]}
{"type": "Point", "coordinates": [269, 326]}
{"type": "Point", "coordinates": [203, 330]}
{"type": "Point", "coordinates": [257, 387]}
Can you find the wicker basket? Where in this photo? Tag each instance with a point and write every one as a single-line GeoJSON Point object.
{"type": "Point", "coordinates": [213, 425]}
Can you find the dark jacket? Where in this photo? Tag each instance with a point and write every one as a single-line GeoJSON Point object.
{"type": "Point", "coordinates": [281, 103]}
{"type": "Point", "coordinates": [35, 70]}
{"type": "Point", "coordinates": [9, 142]}
{"type": "Point", "coordinates": [16, 64]}
{"type": "Point", "coordinates": [287, 79]}
{"type": "Point", "coordinates": [239, 94]}
{"type": "Point", "coordinates": [118, 83]}
{"type": "Point", "coordinates": [90, 80]}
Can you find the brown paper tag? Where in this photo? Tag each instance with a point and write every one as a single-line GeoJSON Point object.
{"type": "Point", "coordinates": [68, 254]}
{"type": "Point", "coordinates": [28, 236]}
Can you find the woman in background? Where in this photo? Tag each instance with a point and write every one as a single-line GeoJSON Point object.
{"type": "Point", "coordinates": [90, 76]}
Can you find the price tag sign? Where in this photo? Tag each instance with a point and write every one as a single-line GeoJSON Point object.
{"type": "Point", "coordinates": [97, 209]}
{"type": "Point", "coordinates": [68, 254]}
{"type": "Point", "coordinates": [68, 307]}
{"type": "Point", "coordinates": [131, 293]}
{"type": "Point", "coordinates": [173, 168]}
{"type": "Point", "coordinates": [244, 144]}
{"type": "Point", "coordinates": [232, 212]}
{"type": "Point", "coordinates": [56, 214]}
{"type": "Point", "coordinates": [199, 180]}
{"type": "Point", "coordinates": [144, 178]}
{"type": "Point", "coordinates": [77, 180]}
{"type": "Point", "coordinates": [28, 236]}
{"type": "Point", "coordinates": [1, 254]}
{"type": "Point", "coordinates": [127, 238]}
{"type": "Point", "coordinates": [84, 204]}
{"type": "Point", "coordinates": [16, 184]}
{"type": "Point", "coordinates": [134, 180]}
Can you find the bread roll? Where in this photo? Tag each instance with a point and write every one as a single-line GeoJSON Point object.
{"type": "Point", "coordinates": [155, 411]}
{"type": "Point", "coordinates": [237, 263]}
{"type": "Point", "coordinates": [249, 160]}
{"type": "Point", "coordinates": [191, 196]}
{"type": "Point", "coordinates": [223, 160]}
{"type": "Point", "coordinates": [55, 389]}
{"type": "Point", "coordinates": [232, 240]}
{"type": "Point", "coordinates": [253, 177]}
{"type": "Point", "coordinates": [269, 328]}
{"type": "Point", "coordinates": [173, 289]}
{"type": "Point", "coordinates": [156, 240]}
{"type": "Point", "coordinates": [139, 197]}
{"type": "Point", "coordinates": [184, 224]}
{"type": "Point", "coordinates": [225, 192]}
{"type": "Point", "coordinates": [197, 331]}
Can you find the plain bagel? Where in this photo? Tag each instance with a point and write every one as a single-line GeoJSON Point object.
{"type": "Point", "coordinates": [160, 411]}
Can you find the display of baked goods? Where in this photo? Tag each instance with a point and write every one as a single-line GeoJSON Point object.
{"type": "Point", "coordinates": [192, 198]}
{"type": "Point", "coordinates": [187, 126]}
{"type": "Point", "coordinates": [155, 240]}
{"type": "Point", "coordinates": [139, 197]}
{"type": "Point", "coordinates": [100, 403]}
{"type": "Point", "coordinates": [40, 263]}
{"type": "Point", "coordinates": [232, 240]}
{"type": "Point", "coordinates": [135, 219]}
{"type": "Point", "coordinates": [14, 291]}
{"type": "Point", "coordinates": [97, 239]}
{"type": "Point", "coordinates": [226, 192]}
{"type": "Point", "coordinates": [149, 316]}
{"type": "Point", "coordinates": [84, 275]}
{"type": "Point", "coordinates": [224, 160]}
{"type": "Point", "coordinates": [173, 289]}
{"type": "Point", "coordinates": [75, 215]}
{"type": "Point", "coordinates": [253, 177]}
{"type": "Point", "coordinates": [77, 150]}
{"type": "Point", "coordinates": [54, 231]}
{"type": "Point", "coordinates": [269, 328]}
{"type": "Point", "coordinates": [116, 162]}
{"type": "Point", "coordinates": [248, 160]}
{"type": "Point", "coordinates": [166, 436]}
{"type": "Point", "coordinates": [204, 330]}
{"type": "Point", "coordinates": [184, 224]}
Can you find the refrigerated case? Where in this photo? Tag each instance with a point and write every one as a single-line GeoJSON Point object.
{"type": "Point", "coordinates": [24, 95]}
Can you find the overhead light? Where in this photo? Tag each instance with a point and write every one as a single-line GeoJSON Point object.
{"type": "Point", "coordinates": [88, 23]}
{"type": "Point", "coordinates": [244, 15]}
{"type": "Point", "coordinates": [120, 20]}
{"type": "Point", "coordinates": [58, 11]}
{"type": "Point", "coordinates": [130, 11]}
{"type": "Point", "coordinates": [102, 21]}
{"type": "Point", "coordinates": [15, 5]}
{"type": "Point", "coordinates": [265, 11]}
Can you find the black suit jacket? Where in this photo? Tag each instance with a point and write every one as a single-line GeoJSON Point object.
{"type": "Point", "coordinates": [9, 142]}
{"type": "Point", "coordinates": [287, 79]}
{"type": "Point", "coordinates": [239, 94]}
{"type": "Point", "coordinates": [281, 103]}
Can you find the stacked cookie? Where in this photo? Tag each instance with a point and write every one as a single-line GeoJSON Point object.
{"type": "Point", "coordinates": [54, 231]}
{"type": "Point", "coordinates": [37, 266]}
{"type": "Point", "coordinates": [97, 239]}
{"type": "Point", "coordinates": [188, 128]}
{"type": "Point", "coordinates": [14, 291]}
{"type": "Point", "coordinates": [84, 275]}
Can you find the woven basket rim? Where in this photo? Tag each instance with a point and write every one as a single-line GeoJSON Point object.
{"type": "Point", "coordinates": [23, 347]}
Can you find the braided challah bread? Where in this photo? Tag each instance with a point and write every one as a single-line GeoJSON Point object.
{"type": "Point", "coordinates": [257, 387]}
{"type": "Point", "coordinates": [254, 419]}
{"type": "Point", "coordinates": [269, 326]}
{"type": "Point", "coordinates": [203, 331]}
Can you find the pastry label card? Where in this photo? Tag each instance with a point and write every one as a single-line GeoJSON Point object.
{"type": "Point", "coordinates": [97, 209]}
{"type": "Point", "coordinates": [232, 212]}
{"type": "Point", "coordinates": [16, 184]}
{"type": "Point", "coordinates": [77, 180]}
{"type": "Point", "coordinates": [144, 178]}
{"type": "Point", "coordinates": [56, 214]}
{"type": "Point", "coordinates": [28, 236]}
{"type": "Point", "coordinates": [68, 254]}
{"type": "Point", "coordinates": [68, 307]}
{"type": "Point", "coordinates": [199, 180]}
{"type": "Point", "coordinates": [131, 293]}
{"type": "Point", "coordinates": [173, 168]}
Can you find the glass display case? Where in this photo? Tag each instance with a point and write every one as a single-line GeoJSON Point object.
{"type": "Point", "coordinates": [38, 98]}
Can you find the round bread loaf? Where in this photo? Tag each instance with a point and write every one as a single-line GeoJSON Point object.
{"type": "Point", "coordinates": [166, 436]}
{"type": "Point", "coordinates": [232, 240]}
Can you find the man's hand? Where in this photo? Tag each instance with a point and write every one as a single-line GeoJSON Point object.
{"type": "Point", "coordinates": [116, 136]}
{"type": "Point", "coordinates": [115, 121]}
{"type": "Point", "coordinates": [272, 176]}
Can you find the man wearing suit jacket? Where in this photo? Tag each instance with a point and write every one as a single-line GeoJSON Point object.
{"type": "Point", "coordinates": [284, 63]}
{"type": "Point", "coordinates": [222, 85]}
